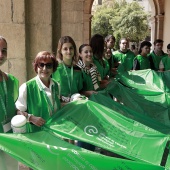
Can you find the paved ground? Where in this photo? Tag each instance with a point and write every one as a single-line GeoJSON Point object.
{"type": "Point", "coordinates": [22, 167]}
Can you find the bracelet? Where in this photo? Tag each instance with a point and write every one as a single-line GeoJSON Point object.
{"type": "Point", "coordinates": [28, 117]}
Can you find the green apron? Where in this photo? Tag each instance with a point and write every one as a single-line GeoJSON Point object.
{"type": "Point", "coordinates": [87, 82]}
{"type": "Point", "coordinates": [103, 68]}
{"type": "Point", "coordinates": [156, 59]}
{"type": "Point", "coordinates": [166, 63]}
{"type": "Point", "coordinates": [143, 62]}
{"type": "Point", "coordinates": [12, 85]}
{"type": "Point", "coordinates": [37, 102]}
{"type": "Point", "coordinates": [126, 59]}
{"type": "Point", "coordinates": [70, 80]}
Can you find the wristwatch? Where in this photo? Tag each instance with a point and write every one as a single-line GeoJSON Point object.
{"type": "Point", "coordinates": [28, 117]}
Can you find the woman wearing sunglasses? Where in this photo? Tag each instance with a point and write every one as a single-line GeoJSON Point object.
{"type": "Point", "coordinates": [39, 97]}
{"type": "Point", "coordinates": [8, 96]}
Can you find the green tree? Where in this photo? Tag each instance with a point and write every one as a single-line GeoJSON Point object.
{"type": "Point", "coordinates": [101, 21]}
{"type": "Point", "coordinates": [121, 19]}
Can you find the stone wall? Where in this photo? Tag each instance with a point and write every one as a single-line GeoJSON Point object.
{"type": "Point", "coordinates": [12, 27]}
{"type": "Point", "coordinates": [29, 27]}
{"type": "Point", "coordinates": [72, 19]}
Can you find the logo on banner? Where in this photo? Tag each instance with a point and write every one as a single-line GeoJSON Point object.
{"type": "Point", "coordinates": [90, 130]}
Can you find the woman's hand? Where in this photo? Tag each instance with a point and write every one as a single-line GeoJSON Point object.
{"type": "Point", "coordinates": [88, 93]}
{"type": "Point", "coordinates": [22, 113]}
{"type": "Point", "coordinates": [38, 121]}
{"type": "Point", "coordinates": [104, 83]}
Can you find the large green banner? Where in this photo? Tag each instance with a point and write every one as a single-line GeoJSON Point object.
{"type": "Point", "coordinates": [137, 130]}
{"type": "Point", "coordinates": [144, 91]}
{"type": "Point", "coordinates": [45, 151]}
{"type": "Point", "coordinates": [106, 128]}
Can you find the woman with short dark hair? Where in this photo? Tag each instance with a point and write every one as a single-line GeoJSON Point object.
{"type": "Point", "coordinates": [39, 97]}
{"type": "Point", "coordinates": [141, 61]}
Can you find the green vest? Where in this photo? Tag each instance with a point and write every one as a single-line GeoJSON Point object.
{"type": "Point", "coordinates": [143, 62]}
{"type": "Point", "coordinates": [87, 82]}
{"type": "Point", "coordinates": [166, 63]}
{"type": "Point", "coordinates": [156, 59]}
{"type": "Point", "coordinates": [64, 78]}
{"type": "Point", "coordinates": [103, 68]}
{"type": "Point", "coordinates": [12, 89]}
{"type": "Point", "coordinates": [126, 59]}
{"type": "Point", "coordinates": [37, 103]}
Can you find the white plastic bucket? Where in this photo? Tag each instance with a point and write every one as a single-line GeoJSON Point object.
{"type": "Point", "coordinates": [18, 124]}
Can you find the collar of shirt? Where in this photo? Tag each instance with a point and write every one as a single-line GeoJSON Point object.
{"type": "Point", "coordinates": [42, 84]}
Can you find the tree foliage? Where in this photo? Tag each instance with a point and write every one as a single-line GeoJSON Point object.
{"type": "Point", "coordinates": [121, 19]}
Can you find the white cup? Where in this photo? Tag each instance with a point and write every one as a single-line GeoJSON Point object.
{"type": "Point", "coordinates": [18, 124]}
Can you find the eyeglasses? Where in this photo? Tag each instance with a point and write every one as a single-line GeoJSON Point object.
{"type": "Point", "coordinates": [48, 65]}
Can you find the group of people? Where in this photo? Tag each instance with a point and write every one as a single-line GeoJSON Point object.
{"type": "Point", "coordinates": [62, 76]}
{"type": "Point", "coordinates": [131, 59]}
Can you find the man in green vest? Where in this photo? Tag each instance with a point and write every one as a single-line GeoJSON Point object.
{"type": "Point", "coordinates": [157, 54]}
{"type": "Point", "coordinates": [123, 58]}
{"type": "Point", "coordinates": [164, 65]}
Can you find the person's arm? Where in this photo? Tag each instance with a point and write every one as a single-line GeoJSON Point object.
{"type": "Point", "coordinates": [88, 93]}
{"type": "Point", "coordinates": [104, 83]}
{"type": "Point", "coordinates": [136, 65]}
{"type": "Point", "coordinates": [21, 105]}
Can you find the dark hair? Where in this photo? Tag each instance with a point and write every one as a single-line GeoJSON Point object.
{"type": "Point", "coordinates": [123, 39]}
{"type": "Point", "coordinates": [168, 46]}
{"type": "Point", "coordinates": [158, 41]}
{"type": "Point", "coordinates": [42, 56]}
{"type": "Point", "coordinates": [133, 47]}
{"type": "Point", "coordinates": [2, 38]}
{"type": "Point", "coordinates": [66, 39]}
{"type": "Point", "coordinates": [82, 46]}
{"type": "Point", "coordinates": [144, 43]}
{"type": "Point", "coordinates": [108, 37]}
{"type": "Point", "coordinates": [97, 45]}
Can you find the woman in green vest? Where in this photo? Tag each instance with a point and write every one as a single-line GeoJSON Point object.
{"type": "Point", "coordinates": [97, 43]}
{"type": "Point", "coordinates": [39, 97]}
{"type": "Point", "coordinates": [110, 61]}
{"type": "Point", "coordinates": [68, 75]}
{"type": "Point", "coordinates": [8, 96]}
{"type": "Point", "coordinates": [91, 77]}
{"type": "Point", "coordinates": [141, 61]}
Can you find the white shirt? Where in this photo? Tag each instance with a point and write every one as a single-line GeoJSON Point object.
{"type": "Point", "coordinates": [161, 65]}
{"type": "Point", "coordinates": [21, 103]}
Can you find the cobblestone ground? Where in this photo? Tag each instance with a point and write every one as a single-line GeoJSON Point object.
{"type": "Point", "coordinates": [22, 167]}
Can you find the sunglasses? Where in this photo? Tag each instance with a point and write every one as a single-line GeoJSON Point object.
{"type": "Point", "coordinates": [48, 65]}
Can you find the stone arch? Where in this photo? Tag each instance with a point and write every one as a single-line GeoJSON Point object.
{"type": "Point", "coordinates": [87, 20]}
{"type": "Point", "coordinates": [157, 19]}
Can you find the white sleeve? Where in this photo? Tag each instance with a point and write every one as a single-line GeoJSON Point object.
{"type": "Point", "coordinates": [161, 65]}
{"type": "Point", "coordinates": [21, 103]}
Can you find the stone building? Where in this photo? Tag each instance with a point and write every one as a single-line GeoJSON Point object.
{"type": "Point", "coordinates": [31, 26]}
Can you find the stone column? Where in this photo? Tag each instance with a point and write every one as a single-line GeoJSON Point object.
{"type": "Point", "coordinates": [72, 20]}
{"type": "Point", "coordinates": [160, 24]}
{"type": "Point", "coordinates": [38, 30]}
{"type": "Point", "coordinates": [29, 27]}
{"type": "Point", "coordinates": [153, 28]}
{"type": "Point", "coordinates": [87, 28]}
{"type": "Point", "coordinates": [12, 27]}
